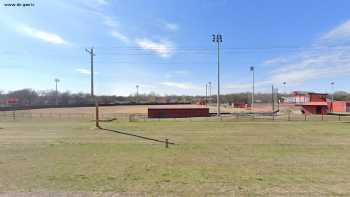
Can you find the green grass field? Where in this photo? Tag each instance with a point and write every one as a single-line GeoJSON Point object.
{"type": "Point", "coordinates": [210, 158]}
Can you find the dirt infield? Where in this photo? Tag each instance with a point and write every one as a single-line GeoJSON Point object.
{"type": "Point", "coordinates": [127, 109]}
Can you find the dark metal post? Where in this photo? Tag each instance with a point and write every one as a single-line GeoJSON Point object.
{"type": "Point", "coordinates": [166, 143]}
{"type": "Point", "coordinates": [288, 115]}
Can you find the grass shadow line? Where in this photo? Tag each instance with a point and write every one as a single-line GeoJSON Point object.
{"type": "Point", "coordinates": [138, 136]}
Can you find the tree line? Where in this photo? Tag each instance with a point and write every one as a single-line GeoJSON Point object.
{"type": "Point", "coordinates": [29, 97]}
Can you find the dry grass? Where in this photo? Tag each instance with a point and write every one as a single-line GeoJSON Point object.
{"type": "Point", "coordinates": [211, 159]}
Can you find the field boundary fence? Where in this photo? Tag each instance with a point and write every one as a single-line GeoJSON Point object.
{"type": "Point", "coordinates": [252, 117]}
{"type": "Point", "coordinates": [137, 117]}
{"type": "Point", "coordinates": [28, 115]}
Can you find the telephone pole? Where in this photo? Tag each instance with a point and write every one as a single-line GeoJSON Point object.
{"type": "Point", "coordinates": [218, 39]}
{"type": "Point", "coordinates": [92, 54]}
{"type": "Point", "coordinates": [56, 93]}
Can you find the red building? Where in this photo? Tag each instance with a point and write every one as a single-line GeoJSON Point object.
{"type": "Point", "coordinates": [317, 103]}
{"type": "Point", "coordinates": [240, 105]}
{"type": "Point", "coordinates": [177, 112]}
{"type": "Point", "coordinates": [311, 103]}
{"type": "Point", "coordinates": [340, 106]}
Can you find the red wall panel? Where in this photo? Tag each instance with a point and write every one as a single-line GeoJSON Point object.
{"type": "Point", "coordinates": [339, 106]}
{"type": "Point", "coordinates": [177, 112]}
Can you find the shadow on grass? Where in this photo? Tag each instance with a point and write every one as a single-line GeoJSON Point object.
{"type": "Point", "coordinates": [166, 142]}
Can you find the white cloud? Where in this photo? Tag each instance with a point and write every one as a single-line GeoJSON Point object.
{"type": "Point", "coordinates": [177, 73]}
{"type": "Point", "coordinates": [318, 61]}
{"type": "Point", "coordinates": [113, 26]}
{"type": "Point", "coordinates": [171, 26]}
{"type": "Point", "coordinates": [102, 2]}
{"type": "Point", "coordinates": [110, 22]}
{"type": "Point", "coordinates": [184, 86]}
{"type": "Point", "coordinates": [83, 71]}
{"type": "Point", "coordinates": [41, 35]}
{"type": "Point", "coordinates": [243, 87]}
{"type": "Point", "coordinates": [312, 65]}
{"type": "Point", "coordinates": [340, 32]}
{"type": "Point", "coordinates": [162, 48]}
{"type": "Point", "coordinates": [275, 61]}
{"type": "Point", "coordinates": [120, 36]}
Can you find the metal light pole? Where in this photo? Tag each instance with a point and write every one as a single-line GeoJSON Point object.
{"type": "Point", "coordinates": [92, 54]}
{"type": "Point", "coordinates": [137, 90]}
{"type": "Point", "coordinates": [218, 39]}
{"type": "Point", "coordinates": [253, 87]}
{"type": "Point", "coordinates": [206, 94]}
{"type": "Point", "coordinates": [209, 88]}
{"type": "Point", "coordinates": [273, 102]}
{"type": "Point", "coordinates": [332, 86]}
{"type": "Point", "coordinates": [137, 93]}
{"type": "Point", "coordinates": [56, 94]}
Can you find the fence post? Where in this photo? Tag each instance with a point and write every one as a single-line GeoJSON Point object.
{"type": "Point", "coordinates": [322, 115]}
{"type": "Point", "coordinates": [166, 143]}
{"type": "Point", "coordinates": [339, 117]}
{"type": "Point", "coordinates": [288, 115]}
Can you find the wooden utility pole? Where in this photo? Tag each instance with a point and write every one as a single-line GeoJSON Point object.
{"type": "Point", "coordinates": [92, 54]}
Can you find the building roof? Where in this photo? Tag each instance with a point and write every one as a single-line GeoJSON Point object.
{"type": "Point", "coordinates": [314, 104]}
{"type": "Point", "coordinates": [307, 93]}
{"type": "Point", "coordinates": [177, 106]}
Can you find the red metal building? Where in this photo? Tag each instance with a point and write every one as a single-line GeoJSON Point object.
{"type": "Point", "coordinates": [340, 106]}
{"type": "Point", "coordinates": [177, 112]}
{"type": "Point", "coordinates": [317, 103]}
{"type": "Point", "coordinates": [312, 103]}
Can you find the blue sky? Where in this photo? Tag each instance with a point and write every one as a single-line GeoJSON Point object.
{"type": "Point", "coordinates": [165, 46]}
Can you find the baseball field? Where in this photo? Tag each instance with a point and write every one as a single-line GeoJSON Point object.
{"type": "Point", "coordinates": [209, 158]}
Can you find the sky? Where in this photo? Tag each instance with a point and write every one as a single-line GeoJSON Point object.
{"type": "Point", "coordinates": [166, 48]}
